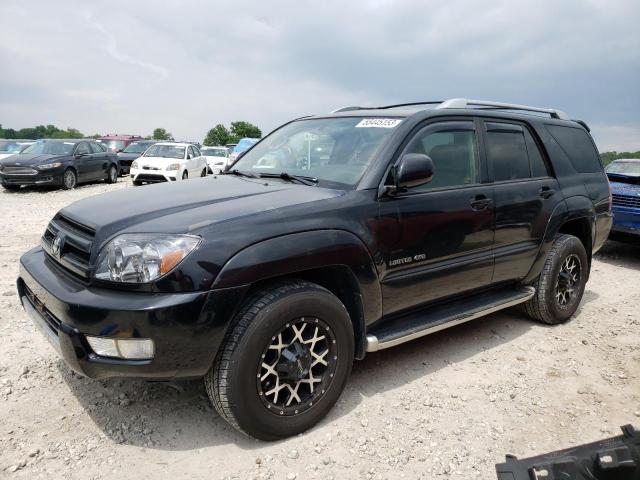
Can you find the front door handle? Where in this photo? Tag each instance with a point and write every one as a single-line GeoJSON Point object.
{"type": "Point", "coordinates": [546, 192]}
{"type": "Point", "coordinates": [480, 202]}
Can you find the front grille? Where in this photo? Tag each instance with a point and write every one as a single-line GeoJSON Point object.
{"type": "Point", "coordinates": [147, 177]}
{"type": "Point", "coordinates": [150, 168]}
{"type": "Point", "coordinates": [76, 241]}
{"type": "Point", "coordinates": [626, 200]}
{"type": "Point", "coordinates": [19, 171]}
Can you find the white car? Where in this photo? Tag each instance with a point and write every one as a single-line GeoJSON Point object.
{"type": "Point", "coordinates": [217, 158]}
{"type": "Point", "coordinates": [13, 147]}
{"type": "Point", "coordinates": [168, 162]}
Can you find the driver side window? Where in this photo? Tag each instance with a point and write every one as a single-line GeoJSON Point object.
{"type": "Point", "coordinates": [454, 151]}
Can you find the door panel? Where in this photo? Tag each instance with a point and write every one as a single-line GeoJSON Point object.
{"type": "Point", "coordinates": [437, 239]}
{"type": "Point", "coordinates": [525, 197]}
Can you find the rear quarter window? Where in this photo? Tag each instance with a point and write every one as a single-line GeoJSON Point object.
{"type": "Point", "coordinates": [577, 145]}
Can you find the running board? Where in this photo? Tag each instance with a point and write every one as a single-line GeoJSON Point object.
{"type": "Point", "coordinates": [439, 317]}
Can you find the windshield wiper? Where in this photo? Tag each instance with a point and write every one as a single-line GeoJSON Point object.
{"type": "Point", "coordinates": [240, 173]}
{"type": "Point", "coordinates": [311, 181]}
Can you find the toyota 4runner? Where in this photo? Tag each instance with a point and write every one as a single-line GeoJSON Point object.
{"type": "Point", "coordinates": [334, 236]}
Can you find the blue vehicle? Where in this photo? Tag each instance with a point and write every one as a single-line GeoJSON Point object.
{"type": "Point", "coordinates": [243, 145]}
{"type": "Point", "coordinates": [624, 177]}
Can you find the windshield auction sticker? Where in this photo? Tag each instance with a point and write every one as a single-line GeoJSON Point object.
{"type": "Point", "coordinates": [378, 122]}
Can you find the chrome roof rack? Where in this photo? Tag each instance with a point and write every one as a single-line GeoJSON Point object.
{"type": "Point", "coordinates": [465, 103]}
{"type": "Point", "coordinates": [347, 109]}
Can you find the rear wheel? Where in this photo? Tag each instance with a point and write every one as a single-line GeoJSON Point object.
{"type": "Point", "coordinates": [561, 284]}
{"type": "Point", "coordinates": [284, 363]}
{"type": "Point", "coordinates": [69, 179]}
{"type": "Point", "coordinates": [112, 175]}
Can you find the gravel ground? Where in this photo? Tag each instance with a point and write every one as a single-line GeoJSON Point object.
{"type": "Point", "coordinates": [449, 405]}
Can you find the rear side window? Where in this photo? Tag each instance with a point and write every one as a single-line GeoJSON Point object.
{"type": "Point", "coordinates": [96, 147]}
{"type": "Point", "coordinates": [577, 145]}
{"type": "Point", "coordinates": [507, 151]}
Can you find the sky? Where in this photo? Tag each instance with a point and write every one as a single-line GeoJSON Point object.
{"type": "Point", "coordinates": [132, 66]}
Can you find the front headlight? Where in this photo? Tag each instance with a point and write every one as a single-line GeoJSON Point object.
{"type": "Point", "coordinates": [174, 166]}
{"type": "Point", "coordinates": [142, 258]}
{"type": "Point", "coordinates": [49, 166]}
{"type": "Point", "coordinates": [134, 164]}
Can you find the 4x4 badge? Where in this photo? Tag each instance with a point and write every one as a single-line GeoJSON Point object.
{"type": "Point", "coordinates": [56, 245]}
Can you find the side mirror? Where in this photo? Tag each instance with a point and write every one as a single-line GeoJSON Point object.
{"type": "Point", "coordinates": [414, 169]}
{"type": "Point", "coordinates": [189, 156]}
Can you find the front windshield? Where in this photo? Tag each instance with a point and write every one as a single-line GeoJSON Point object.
{"type": "Point", "coordinates": [51, 148]}
{"type": "Point", "coordinates": [12, 146]}
{"type": "Point", "coordinates": [165, 151]}
{"type": "Point", "coordinates": [113, 144]}
{"type": "Point", "coordinates": [136, 147]}
{"type": "Point", "coordinates": [624, 168]}
{"type": "Point", "coordinates": [213, 152]}
{"type": "Point", "coordinates": [333, 150]}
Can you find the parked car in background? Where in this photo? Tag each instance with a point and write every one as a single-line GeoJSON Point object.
{"type": "Point", "coordinates": [243, 145]}
{"type": "Point", "coordinates": [217, 158]}
{"type": "Point", "coordinates": [117, 143]}
{"type": "Point", "coordinates": [624, 178]}
{"type": "Point", "coordinates": [59, 162]}
{"type": "Point", "coordinates": [13, 146]}
{"type": "Point", "coordinates": [131, 152]}
{"type": "Point", "coordinates": [168, 162]}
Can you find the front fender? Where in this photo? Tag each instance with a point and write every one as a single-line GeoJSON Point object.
{"type": "Point", "coordinates": [298, 252]}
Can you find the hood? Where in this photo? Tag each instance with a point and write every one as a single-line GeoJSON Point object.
{"type": "Point", "coordinates": [186, 207]}
{"type": "Point", "coordinates": [27, 159]}
{"type": "Point", "coordinates": [630, 187]}
{"type": "Point", "coordinates": [128, 156]}
{"type": "Point", "coordinates": [158, 162]}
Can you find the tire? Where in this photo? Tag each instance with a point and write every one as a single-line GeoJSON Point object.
{"type": "Point", "coordinates": [552, 304]}
{"type": "Point", "coordinates": [112, 174]}
{"type": "Point", "coordinates": [185, 175]}
{"type": "Point", "coordinates": [203, 173]}
{"type": "Point", "coordinates": [11, 188]}
{"type": "Point", "coordinates": [238, 383]}
{"type": "Point", "coordinates": [136, 183]}
{"type": "Point", "coordinates": [69, 179]}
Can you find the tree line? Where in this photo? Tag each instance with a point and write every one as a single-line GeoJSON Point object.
{"type": "Point", "coordinates": [218, 135]}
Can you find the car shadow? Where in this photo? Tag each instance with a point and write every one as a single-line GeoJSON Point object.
{"type": "Point", "coordinates": [620, 254]}
{"type": "Point", "coordinates": [178, 415]}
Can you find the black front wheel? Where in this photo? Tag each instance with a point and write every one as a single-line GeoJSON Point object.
{"type": "Point", "coordinates": [285, 362]}
{"type": "Point", "coordinates": [112, 174]}
{"type": "Point", "coordinates": [185, 175]}
{"type": "Point", "coordinates": [203, 173]}
{"type": "Point", "coordinates": [69, 179]}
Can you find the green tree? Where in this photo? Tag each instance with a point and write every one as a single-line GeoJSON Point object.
{"type": "Point", "coordinates": [161, 134]}
{"type": "Point", "coordinates": [218, 135]}
{"type": "Point", "coordinates": [242, 129]}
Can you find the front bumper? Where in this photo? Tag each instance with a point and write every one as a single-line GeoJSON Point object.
{"type": "Point", "coordinates": [187, 328]}
{"type": "Point", "coordinates": [626, 220]}
{"type": "Point", "coordinates": [153, 176]}
{"type": "Point", "coordinates": [45, 177]}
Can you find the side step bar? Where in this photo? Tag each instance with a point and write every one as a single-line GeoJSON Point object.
{"type": "Point", "coordinates": [439, 317]}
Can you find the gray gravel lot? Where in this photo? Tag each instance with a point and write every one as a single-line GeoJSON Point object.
{"type": "Point", "coordinates": [450, 405]}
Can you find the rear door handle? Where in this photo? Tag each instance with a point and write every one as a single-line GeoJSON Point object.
{"type": "Point", "coordinates": [480, 202]}
{"type": "Point", "coordinates": [546, 192]}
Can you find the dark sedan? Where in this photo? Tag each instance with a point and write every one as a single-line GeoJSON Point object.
{"type": "Point", "coordinates": [131, 152]}
{"type": "Point", "coordinates": [61, 162]}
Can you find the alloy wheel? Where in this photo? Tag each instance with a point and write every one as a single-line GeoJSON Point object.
{"type": "Point", "coordinates": [568, 281]}
{"type": "Point", "coordinates": [297, 366]}
{"type": "Point", "coordinates": [69, 179]}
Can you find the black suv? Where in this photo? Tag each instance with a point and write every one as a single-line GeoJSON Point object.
{"type": "Point", "coordinates": [334, 236]}
{"type": "Point", "coordinates": [59, 162]}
